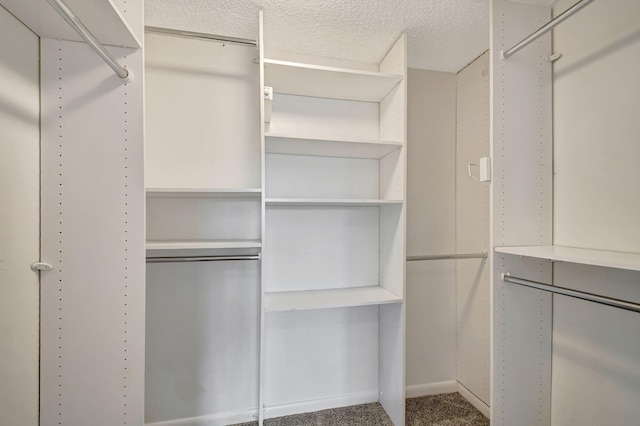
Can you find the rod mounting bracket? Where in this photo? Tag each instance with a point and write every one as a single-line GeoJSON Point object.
{"type": "Point", "coordinates": [41, 266]}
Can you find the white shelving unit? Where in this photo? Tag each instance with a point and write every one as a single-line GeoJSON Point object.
{"type": "Point", "coordinates": [293, 78]}
{"type": "Point", "coordinates": [582, 256]}
{"type": "Point", "coordinates": [333, 250]}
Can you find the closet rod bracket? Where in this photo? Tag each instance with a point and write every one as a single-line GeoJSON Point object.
{"type": "Point", "coordinates": [41, 266]}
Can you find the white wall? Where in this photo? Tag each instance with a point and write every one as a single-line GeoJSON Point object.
{"type": "Point", "coordinates": [431, 227]}
{"type": "Point", "coordinates": [19, 222]}
{"type": "Point", "coordinates": [596, 351]}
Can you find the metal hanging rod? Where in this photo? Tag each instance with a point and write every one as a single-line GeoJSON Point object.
{"type": "Point", "coordinates": [182, 259]}
{"type": "Point", "coordinates": [75, 23]}
{"type": "Point", "coordinates": [191, 34]}
{"type": "Point", "coordinates": [590, 297]}
{"type": "Point", "coordinates": [546, 28]}
{"type": "Point", "coordinates": [448, 256]}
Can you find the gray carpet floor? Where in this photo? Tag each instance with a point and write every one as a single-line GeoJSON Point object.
{"type": "Point", "coordinates": [437, 410]}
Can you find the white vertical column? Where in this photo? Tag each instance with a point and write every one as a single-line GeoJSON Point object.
{"type": "Point", "coordinates": [393, 176]}
{"type": "Point", "coordinates": [92, 302]}
{"type": "Point", "coordinates": [521, 214]}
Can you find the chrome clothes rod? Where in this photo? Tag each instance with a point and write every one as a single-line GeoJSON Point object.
{"type": "Point", "coordinates": [182, 259]}
{"type": "Point", "coordinates": [191, 34]}
{"type": "Point", "coordinates": [590, 297]}
{"type": "Point", "coordinates": [546, 28]}
{"type": "Point", "coordinates": [75, 23]}
{"type": "Point", "coordinates": [448, 256]}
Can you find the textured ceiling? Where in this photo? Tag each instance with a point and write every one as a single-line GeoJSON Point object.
{"type": "Point", "coordinates": [443, 35]}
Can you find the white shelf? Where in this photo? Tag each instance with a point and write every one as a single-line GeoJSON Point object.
{"type": "Point", "coordinates": [293, 78]}
{"type": "Point", "coordinates": [202, 245]}
{"type": "Point", "coordinates": [101, 17]}
{"type": "Point", "coordinates": [324, 299]}
{"type": "Point", "coordinates": [607, 259]}
{"type": "Point", "coordinates": [202, 192]}
{"type": "Point", "coordinates": [329, 202]}
{"type": "Point", "coordinates": [346, 148]}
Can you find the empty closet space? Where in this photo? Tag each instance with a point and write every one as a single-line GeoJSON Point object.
{"type": "Point", "coordinates": [203, 186]}
{"type": "Point", "coordinates": [596, 98]}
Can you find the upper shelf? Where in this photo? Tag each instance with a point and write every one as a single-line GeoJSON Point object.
{"type": "Point", "coordinates": [293, 78]}
{"type": "Point", "coordinates": [101, 17]}
{"type": "Point", "coordinates": [345, 148]}
{"type": "Point", "coordinates": [203, 193]}
{"type": "Point", "coordinates": [607, 259]}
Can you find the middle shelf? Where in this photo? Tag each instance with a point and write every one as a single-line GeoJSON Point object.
{"type": "Point", "coordinates": [329, 147]}
{"type": "Point", "coordinates": [330, 298]}
{"type": "Point", "coordinates": [164, 247]}
{"type": "Point", "coordinates": [330, 202]}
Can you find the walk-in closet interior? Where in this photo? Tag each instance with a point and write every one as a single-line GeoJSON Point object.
{"type": "Point", "coordinates": [222, 213]}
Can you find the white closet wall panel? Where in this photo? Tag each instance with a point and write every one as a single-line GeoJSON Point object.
{"type": "Point", "coordinates": [323, 118]}
{"type": "Point", "coordinates": [19, 221]}
{"type": "Point", "coordinates": [431, 308]}
{"type": "Point", "coordinates": [202, 358]}
{"type": "Point", "coordinates": [312, 249]}
{"type": "Point", "coordinates": [320, 359]}
{"type": "Point", "coordinates": [92, 302]}
{"type": "Point", "coordinates": [472, 229]}
{"type": "Point", "coordinates": [349, 178]}
{"type": "Point", "coordinates": [596, 127]}
{"type": "Point", "coordinates": [201, 99]}
{"type": "Point", "coordinates": [596, 379]}
{"type": "Point", "coordinates": [190, 218]}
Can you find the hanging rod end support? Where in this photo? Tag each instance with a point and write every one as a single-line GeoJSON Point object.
{"type": "Point", "coordinates": [129, 77]}
{"type": "Point", "coordinates": [502, 55]}
{"type": "Point", "coordinates": [503, 275]}
{"type": "Point", "coordinates": [552, 58]}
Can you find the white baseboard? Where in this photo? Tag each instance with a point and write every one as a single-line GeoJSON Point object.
{"type": "Point", "coordinates": [221, 419]}
{"type": "Point", "coordinates": [474, 400]}
{"type": "Point", "coordinates": [431, 389]}
{"type": "Point", "coordinates": [320, 404]}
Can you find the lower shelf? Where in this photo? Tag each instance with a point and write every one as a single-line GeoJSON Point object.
{"type": "Point", "coordinates": [324, 299]}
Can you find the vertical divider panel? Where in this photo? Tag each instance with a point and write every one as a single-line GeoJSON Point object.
{"type": "Point", "coordinates": [393, 125]}
{"type": "Point", "coordinates": [521, 203]}
{"type": "Point", "coordinates": [472, 230]}
{"type": "Point", "coordinates": [92, 302]}
{"type": "Point", "coordinates": [261, 396]}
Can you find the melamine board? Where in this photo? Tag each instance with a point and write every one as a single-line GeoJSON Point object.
{"type": "Point", "coordinates": [607, 259]}
{"type": "Point", "coordinates": [102, 17]}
